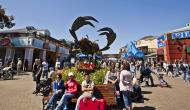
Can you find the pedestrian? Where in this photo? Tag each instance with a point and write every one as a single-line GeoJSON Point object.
{"type": "Point", "coordinates": [126, 86]}
{"type": "Point", "coordinates": [57, 64]}
{"type": "Point", "coordinates": [170, 70]}
{"type": "Point", "coordinates": [45, 69]}
{"type": "Point", "coordinates": [25, 67]}
{"type": "Point", "coordinates": [133, 70]}
{"type": "Point", "coordinates": [38, 76]}
{"type": "Point", "coordinates": [19, 64]}
{"type": "Point", "coordinates": [185, 70]}
{"type": "Point", "coordinates": [34, 69]}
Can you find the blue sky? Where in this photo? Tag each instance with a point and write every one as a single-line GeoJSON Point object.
{"type": "Point", "coordinates": [130, 19]}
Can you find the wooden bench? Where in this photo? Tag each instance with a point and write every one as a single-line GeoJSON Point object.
{"type": "Point", "coordinates": [106, 92]}
{"type": "Point", "coordinates": [103, 91]}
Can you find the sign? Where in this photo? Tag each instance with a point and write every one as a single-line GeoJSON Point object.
{"type": "Point", "coordinates": [38, 43]}
{"type": "Point", "coordinates": [180, 35]}
{"type": "Point", "coordinates": [161, 41]}
{"type": "Point", "coordinates": [52, 47]}
{"type": "Point", "coordinates": [19, 42]}
{"type": "Point", "coordinates": [5, 41]}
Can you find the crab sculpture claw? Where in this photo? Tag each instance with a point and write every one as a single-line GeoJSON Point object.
{"type": "Point", "coordinates": [111, 36]}
{"type": "Point", "coordinates": [80, 22]}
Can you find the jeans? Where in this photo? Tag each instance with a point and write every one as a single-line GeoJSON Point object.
{"type": "Point", "coordinates": [126, 98]}
{"type": "Point", "coordinates": [64, 101]}
{"type": "Point", "coordinates": [53, 100]}
{"type": "Point", "coordinates": [185, 75]}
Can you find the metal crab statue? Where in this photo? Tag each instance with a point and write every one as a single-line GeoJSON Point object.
{"type": "Point", "coordinates": [85, 45]}
{"type": "Point", "coordinates": [5, 21]}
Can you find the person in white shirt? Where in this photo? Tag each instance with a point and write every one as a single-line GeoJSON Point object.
{"type": "Point", "coordinates": [133, 69]}
{"type": "Point", "coordinates": [45, 69]}
{"type": "Point", "coordinates": [19, 64]}
{"type": "Point", "coordinates": [164, 66]}
{"type": "Point", "coordinates": [87, 88]}
{"type": "Point", "coordinates": [126, 86]}
{"type": "Point", "coordinates": [57, 64]}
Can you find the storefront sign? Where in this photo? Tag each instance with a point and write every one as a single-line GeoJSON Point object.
{"type": "Point", "coordinates": [38, 43]}
{"type": "Point", "coordinates": [19, 42]}
{"type": "Point", "coordinates": [180, 35]}
{"type": "Point", "coordinates": [52, 47]}
{"type": "Point", "coordinates": [161, 41]}
{"type": "Point", "coordinates": [5, 41]}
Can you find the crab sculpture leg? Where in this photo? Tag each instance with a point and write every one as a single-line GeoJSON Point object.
{"type": "Point", "coordinates": [80, 22]}
{"type": "Point", "coordinates": [6, 19]}
{"type": "Point", "coordinates": [111, 36]}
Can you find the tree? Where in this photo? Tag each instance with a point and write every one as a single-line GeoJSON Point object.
{"type": "Point", "coordinates": [5, 20]}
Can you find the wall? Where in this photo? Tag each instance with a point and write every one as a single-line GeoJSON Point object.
{"type": "Point", "coordinates": [175, 49]}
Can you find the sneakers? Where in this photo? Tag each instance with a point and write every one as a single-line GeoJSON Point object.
{"type": "Point", "coordinates": [34, 92]}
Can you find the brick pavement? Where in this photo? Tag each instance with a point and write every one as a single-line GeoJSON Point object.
{"type": "Point", "coordinates": [17, 94]}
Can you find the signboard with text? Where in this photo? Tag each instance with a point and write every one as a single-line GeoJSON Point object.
{"type": "Point", "coordinates": [180, 35]}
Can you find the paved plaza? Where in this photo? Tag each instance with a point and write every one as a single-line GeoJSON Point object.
{"type": "Point", "coordinates": [17, 95]}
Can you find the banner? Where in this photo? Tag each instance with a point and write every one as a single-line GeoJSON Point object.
{"type": "Point", "coordinates": [161, 41]}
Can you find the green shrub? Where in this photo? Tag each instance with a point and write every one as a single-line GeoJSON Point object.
{"type": "Point", "coordinates": [97, 76]}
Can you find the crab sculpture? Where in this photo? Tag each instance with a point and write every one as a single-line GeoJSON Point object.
{"type": "Point", "coordinates": [5, 20]}
{"type": "Point", "coordinates": [85, 45]}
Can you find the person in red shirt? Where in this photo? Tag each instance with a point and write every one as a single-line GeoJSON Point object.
{"type": "Point", "coordinates": [71, 90]}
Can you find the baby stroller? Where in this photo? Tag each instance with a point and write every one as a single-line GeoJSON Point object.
{"type": "Point", "coordinates": [44, 87]}
{"type": "Point", "coordinates": [162, 82]}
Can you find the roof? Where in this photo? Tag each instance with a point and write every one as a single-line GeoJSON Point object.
{"type": "Point", "coordinates": [23, 30]}
{"type": "Point", "coordinates": [187, 28]}
{"type": "Point", "coordinates": [152, 54]}
{"type": "Point", "coordinates": [30, 29]}
{"type": "Point", "coordinates": [148, 38]}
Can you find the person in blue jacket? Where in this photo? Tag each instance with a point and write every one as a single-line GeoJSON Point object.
{"type": "Point", "coordinates": [58, 91]}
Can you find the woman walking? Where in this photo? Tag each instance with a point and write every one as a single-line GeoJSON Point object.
{"type": "Point", "coordinates": [126, 85]}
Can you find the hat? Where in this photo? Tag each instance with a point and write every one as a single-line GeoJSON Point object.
{"type": "Point", "coordinates": [70, 74]}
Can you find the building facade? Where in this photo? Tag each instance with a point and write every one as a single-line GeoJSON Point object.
{"type": "Point", "coordinates": [175, 45]}
{"type": "Point", "coordinates": [29, 44]}
{"type": "Point", "coordinates": [148, 45]}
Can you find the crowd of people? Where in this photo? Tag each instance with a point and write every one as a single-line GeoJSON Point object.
{"type": "Point", "coordinates": [122, 74]}
{"type": "Point", "coordinates": [119, 75]}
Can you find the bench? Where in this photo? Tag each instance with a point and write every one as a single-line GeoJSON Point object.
{"type": "Point", "coordinates": [106, 92]}
{"type": "Point", "coordinates": [102, 91]}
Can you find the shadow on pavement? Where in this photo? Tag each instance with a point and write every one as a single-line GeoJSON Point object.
{"type": "Point", "coordinates": [23, 74]}
{"type": "Point", "coordinates": [146, 92]}
{"type": "Point", "coordinates": [144, 108]}
{"type": "Point", "coordinates": [16, 78]}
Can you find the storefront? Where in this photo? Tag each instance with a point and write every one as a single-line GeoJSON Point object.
{"type": "Point", "coordinates": [29, 46]}
{"type": "Point", "coordinates": [174, 45]}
